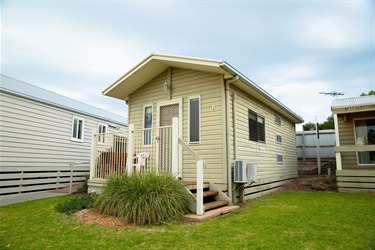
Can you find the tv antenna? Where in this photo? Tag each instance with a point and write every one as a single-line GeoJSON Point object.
{"type": "Point", "coordinates": [332, 93]}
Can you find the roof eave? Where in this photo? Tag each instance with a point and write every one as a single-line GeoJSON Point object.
{"type": "Point", "coordinates": [154, 65]}
{"type": "Point", "coordinates": [352, 109]}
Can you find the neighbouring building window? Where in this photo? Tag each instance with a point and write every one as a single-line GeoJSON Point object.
{"type": "Point", "coordinates": [365, 135]}
{"type": "Point", "coordinates": [147, 125]}
{"type": "Point", "coordinates": [277, 119]}
{"type": "Point", "coordinates": [194, 120]}
{"type": "Point", "coordinates": [279, 158]}
{"type": "Point", "coordinates": [77, 129]}
{"type": "Point", "coordinates": [279, 139]}
{"type": "Point", "coordinates": [257, 130]}
{"type": "Point", "coordinates": [102, 129]}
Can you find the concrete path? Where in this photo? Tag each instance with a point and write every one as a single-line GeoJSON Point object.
{"type": "Point", "coordinates": [28, 197]}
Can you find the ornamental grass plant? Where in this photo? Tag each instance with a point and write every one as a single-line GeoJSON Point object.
{"type": "Point", "coordinates": [144, 199]}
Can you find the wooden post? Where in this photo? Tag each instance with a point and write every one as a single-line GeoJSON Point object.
{"type": "Point", "coordinates": [200, 207]}
{"type": "Point", "coordinates": [93, 169]}
{"type": "Point", "coordinates": [303, 147]}
{"type": "Point", "coordinates": [175, 151]}
{"type": "Point", "coordinates": [337, 136]}
{"type": "Point", "coordinates": [129, 162]}
{"type": "Point", "coordinates": [71, 178]}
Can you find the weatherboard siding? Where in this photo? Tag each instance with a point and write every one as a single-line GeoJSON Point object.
{"type": "Point", "coordinates": [149, 94]}
{"type": "Point", "coordinates": [347, 138]}
{"type": "Point", "coordinates": [188, 83]}
{"type": "Point", "coordinates": [37, 137]}
{"type": "Point", "coordinates": [270, 174]}
{"type": "Point", "coordinates": [185, 84]}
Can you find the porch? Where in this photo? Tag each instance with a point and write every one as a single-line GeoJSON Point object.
{"type": "Point", "coordinates": [156, 150]}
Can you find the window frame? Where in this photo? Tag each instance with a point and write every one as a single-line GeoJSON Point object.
{"type": "Point", "coordinates": [76, 139]}
{"type": "Point", "coordinates": [144, 125]}
{"type": "Point", "coordinates": [277, 117]}
{"type": "Point", "coordinates": [281, 137]}
{"type": "Point", "coordinates": [101, 139]}
{"type": "Point", "coordinates": [277, 158]}
{"type": "Point", "coordinates": [257, 116]}
{"type": "Point", "coordinates": [355, 140]}
{"type": "Point", "coordinates": [199, 119]}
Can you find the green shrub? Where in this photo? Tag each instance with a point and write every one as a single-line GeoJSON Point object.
{"type": "Point", "coordinates": [75, 204]}
{"type": "Point", "coordinates": [144, 198]}
{"type": "Point", "coordinates": [84, 188]}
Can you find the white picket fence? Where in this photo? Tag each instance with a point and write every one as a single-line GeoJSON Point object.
{"type": "Point", "coordinates": [151, 151]}
{"type": "Point", "coordinates": [17, 181]}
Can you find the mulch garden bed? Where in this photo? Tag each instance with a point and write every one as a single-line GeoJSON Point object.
{"type": "Point", "coordinates": [312, 183]}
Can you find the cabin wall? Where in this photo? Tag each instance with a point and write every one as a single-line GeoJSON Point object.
{"type": "Point", "coordinates": [208, 86]}
{"type": "Point", "coordinates": [36, 146]}
{"type": "Point", "coordinates": [270, 174]}
{"type": "Point", "coordinates": [185, 84]}
{"type": "Point", "coordinates": [347, 138]}
{"type": "Point", "coordinates": [353, 178]}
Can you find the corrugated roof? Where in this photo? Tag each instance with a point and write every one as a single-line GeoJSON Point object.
{"type": "Point", "coordinates": [26, 90]}
{"type": "Point", "coordinates": [354, 102]}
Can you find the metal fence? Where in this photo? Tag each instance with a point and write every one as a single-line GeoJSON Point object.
{"type": "Point", "coordinates": [307, 144]}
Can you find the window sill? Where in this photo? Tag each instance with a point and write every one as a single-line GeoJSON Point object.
{"type": "Point", "coordinates": [76, 140]}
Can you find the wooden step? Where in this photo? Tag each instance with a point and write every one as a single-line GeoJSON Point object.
{"type": "Point", "coordinates": [208, 193]}
{"type": "Point", "coordinates": [191, 185]}
{"type": "Point", "coordinates": [210, 214]}
{"type": "Point", "coordinates": [214, 204]}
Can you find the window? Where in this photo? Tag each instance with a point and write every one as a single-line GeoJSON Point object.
{"type": "Point", "coordinates": [279, 158]}
{"type": "Point", "coordinates": [102, 129]}
{"type": "Point", "coordinates": [256, 127]}
{"type": "Point", "coordinates": [147, 125]}
{"type": "Point", "coordinates": [279, 139]}
{"type": "Point", "coordinates": [365, 135]}
{"type": "Point", "coordinates": [77, 129]}
{"type": "Point", "coordinates": [277, 119]}
{"type": "Point", "coordinates": [194, 120]}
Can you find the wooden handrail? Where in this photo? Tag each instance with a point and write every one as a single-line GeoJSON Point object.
{"type": "Point", "coordinates": [192, 153]}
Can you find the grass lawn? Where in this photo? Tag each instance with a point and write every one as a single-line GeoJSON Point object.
{"type": "Point", "coordinates": [285, 220]}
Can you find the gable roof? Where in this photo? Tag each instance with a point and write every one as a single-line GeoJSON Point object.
{"type": "Point", "coordinates": [354, 104]}
{"type": "Point", "coordinates": [155, 64]}
{"type": "Point", "coordinates": [32, 92]}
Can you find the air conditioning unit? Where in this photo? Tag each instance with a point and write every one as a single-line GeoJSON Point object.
{"type": "Point", "coordinates": [245, 171]}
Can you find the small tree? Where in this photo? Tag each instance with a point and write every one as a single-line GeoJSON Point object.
{"type": "Point", "coordinates": [309, 126]}
{"type": "Point", "coordinates": [371, 92]}
{"type": "Point", "coordinates": [328, 124]}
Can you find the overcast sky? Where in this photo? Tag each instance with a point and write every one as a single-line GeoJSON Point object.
{"type": "Point", "coordinates": [292, 49]}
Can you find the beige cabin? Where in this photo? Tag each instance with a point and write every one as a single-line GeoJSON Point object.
{"type": "Point", "coordinates": [245, 136]}
{"type": "Point", "coordinates": [355, 143]}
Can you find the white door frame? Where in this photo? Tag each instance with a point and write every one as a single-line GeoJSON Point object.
{"type": "Point", "coordinates": [180, 120]}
